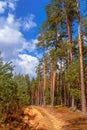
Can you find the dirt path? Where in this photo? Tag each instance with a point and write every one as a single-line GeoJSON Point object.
{"type": "Point", "coordinates": [45, 118]}
{"type": "Point", "coordinates": [50, 119]}
{"type": "Point", "coordinates": [41, 118]}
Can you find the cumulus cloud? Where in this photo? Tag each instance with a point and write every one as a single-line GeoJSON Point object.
{"type": "Point", "coordinates": [6, 4]}
{"type": "Point", "coordinates": [31, 45]}
{"type": "Point", "coordinates": [26, 64]}
{"type": "Point", "coordinates": [2, 6]}
{"type": "Point", "coordinates": [11, 38]}
{"type": "Point", "coordinates": [11, 5]}
{"type": "Point", "coordinates": [28, 22]}
{"type": "Point", "coordinates": [12, 41]}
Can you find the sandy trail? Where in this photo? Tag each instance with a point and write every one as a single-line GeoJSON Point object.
{"type": "Point", "coordinates": [50, 119]}
{"type": "Point", "coordinates": [43, 119]}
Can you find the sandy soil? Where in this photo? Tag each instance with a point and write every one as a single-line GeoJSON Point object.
{"type": "Point", "coordinates": [43, 119]}
{"type": "Point", "coordinates": [54, 118]}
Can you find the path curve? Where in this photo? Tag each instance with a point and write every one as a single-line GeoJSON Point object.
{"type": "Point", "coordinates": [44, 119]}
{"type": "Point", "coordinates": [52, 122]}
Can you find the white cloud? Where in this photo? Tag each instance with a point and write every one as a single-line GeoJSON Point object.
{"type": "Point", "coordinates": [29, 23]}
{"type": "Point", "coordinates": [2, 6]}
{"type": "Point", "coordinates": [12, 41]}
{"type": "Point", "coordinates": [6, 4]}
{"type": "Point", "coordinates": [10, 19]}
{"type": "Point", "coordinates": [10, 36]}
{"type": "Point", "coordinates": [11, 5]}
{"type": "Point", "coordinates": [31, 45]}
{"type": "Point", "coordinates": [26, 64]}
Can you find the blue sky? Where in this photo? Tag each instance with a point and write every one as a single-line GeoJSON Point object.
{"type": "Point", "coordinates": [19, 22]}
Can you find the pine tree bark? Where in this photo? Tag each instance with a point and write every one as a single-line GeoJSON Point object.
{"type": "Point", "coordinates": [73, 102]}
{"type": "Point", "coordinates": [65, 95]}
{"type": "Point", "coordinates": [69, 31]}
{"type": "Point", "coordinates": [53, 87]}
{"type": "Point", "coordinates": [61, 82]}
{"type": "Point", "coordinates": [83, 94]}
{"type": "Point", "coordinates": [44, 71]}
{"type": "Point", "coordinates": [38, 93]}
{"type": "Point", "coordinates": [69, 42]}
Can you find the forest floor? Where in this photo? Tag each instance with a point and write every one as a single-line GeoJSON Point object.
{"type": "Point", "coordinates": [46, 118]}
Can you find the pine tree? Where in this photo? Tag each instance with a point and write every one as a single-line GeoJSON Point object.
{"type": "Point", "coordinates": [83, 97]}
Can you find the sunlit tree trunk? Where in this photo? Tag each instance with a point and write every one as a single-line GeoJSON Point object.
{"type": "Point", "coordinates": [38, 94]}
{"type": "Point", "coordinates": [32, 100]}
{"type": "Point", "coordinates": [69, 32]}
{"type": "Point", "coordinates": [44, 71]}
{"type": "Point", "coordinates": [69, 38]}
{"type": "Point", "coordinates": [65, 95]}
{"type": "Point", "coordinates": [53, 86]}
{"type": "Point", "coordinates": [73, 102]}
{"type": "Point", "coordinates": [69, 42]}
{"type": "Point", "coordinates": [61, 83]}
{"type": "Point", "coordinates": [83, 96]}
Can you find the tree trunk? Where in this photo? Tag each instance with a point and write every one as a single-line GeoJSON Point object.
{"type": "Point", "coordinates": [83, 95]}
{"type": "Point", "coordinates": [53, 87]}
{"type": "Point", "coordinates": [61, 82]}
{"type": "Point", "coordinates": [65, 96]}
{"type": "Point", "coordinates": [44, 71]}
{"type": "Point", "coordinates": [69, 31]}
{"type": "Point", "coordinates": [38, 94]}
{"type": "Point", "coordinates": [69, 42]}
{"type": "Point", "coordinates": [73, 102]}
